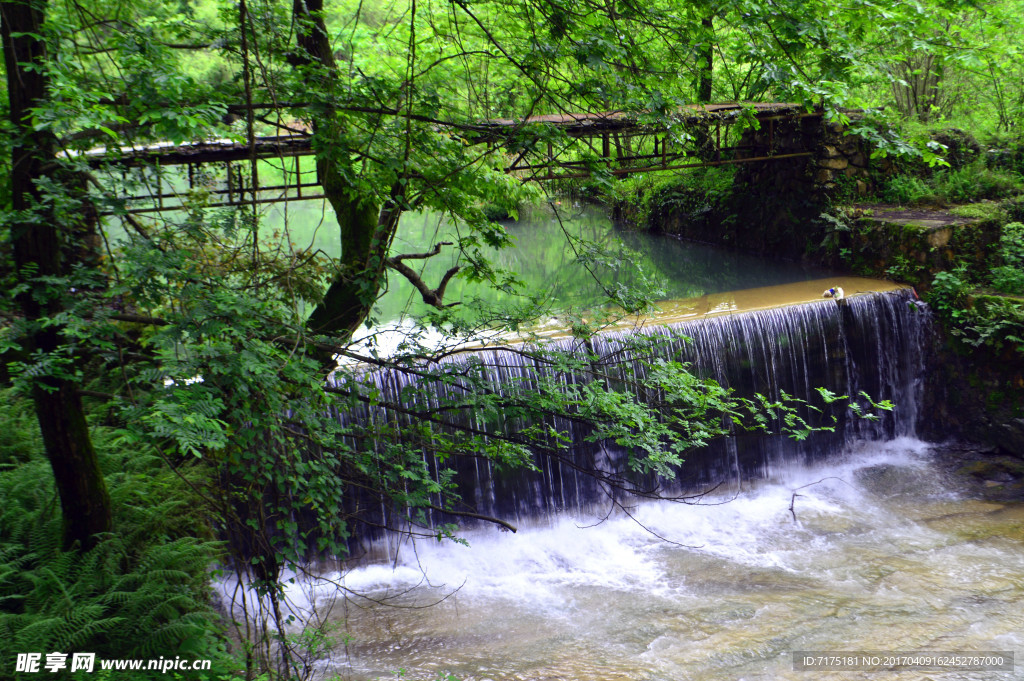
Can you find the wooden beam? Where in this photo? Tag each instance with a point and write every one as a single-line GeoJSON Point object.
{"type": "Point", "coordinates": [626, 171]}
{"type": "Point", "coordinates": [220, 204]}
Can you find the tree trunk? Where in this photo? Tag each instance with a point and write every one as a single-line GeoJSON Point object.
{"type": "Point", "coordinates": [366, 230]}
{"type": "Point", "coordinates": [706, 61]}
{"type": "Point", "coordinates": [39, 241]}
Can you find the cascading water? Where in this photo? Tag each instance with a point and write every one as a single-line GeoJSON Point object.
{"type": "Point", "coordinates": [855, 540]}
{"type": "Point", "coordinates": [882, 555]}
{"type": "Point", "coordinates": [869, 344]}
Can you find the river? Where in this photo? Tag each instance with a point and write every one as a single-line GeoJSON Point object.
{"type": "Point", "coordinates": [885, 553]}
{"type": "Point", "coordinates": [869, 545]}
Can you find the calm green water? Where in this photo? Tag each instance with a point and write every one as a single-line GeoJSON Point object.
{"type": "Point", "coordinates": [545, 261]}
{"type": "Point", "coordinates": [545, 258]}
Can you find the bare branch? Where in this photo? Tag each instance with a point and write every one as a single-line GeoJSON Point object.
{"type": "Point", "coordinates": [792, 499]}
{"type": "Point", "coordinates": [433, 297]}
{"type": "Point", "coordinates": [422, 256]}
{"type": "Point", "coordinates": [478, 516]}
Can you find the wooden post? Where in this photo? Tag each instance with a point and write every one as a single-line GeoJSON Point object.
{"type": "Point", "coordinates": [255, 179]}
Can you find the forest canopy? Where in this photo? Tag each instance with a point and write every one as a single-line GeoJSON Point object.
{"type": "Point", "coordinates": [204, 338]}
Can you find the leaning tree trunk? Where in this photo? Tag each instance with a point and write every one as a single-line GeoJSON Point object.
{"type": "Point", "coordinates": [366, 229]}
{"type": "Point", "coordinates": [42, 248]}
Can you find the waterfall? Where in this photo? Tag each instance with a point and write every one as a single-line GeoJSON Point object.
{"type": "Point", "coordinates": [871, 343]}
{"type": "Point", "coordinates": [856, 541]}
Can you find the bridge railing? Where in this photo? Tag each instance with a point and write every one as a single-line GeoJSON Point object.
{"type": "Point", "coordinates": [266, 170]}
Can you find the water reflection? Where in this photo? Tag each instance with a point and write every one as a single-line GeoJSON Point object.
{"type": "Point", "coordinates": [544, 259]}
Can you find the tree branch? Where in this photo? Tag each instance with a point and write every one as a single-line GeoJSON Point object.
{"type": "Point", "coordinates": [477, 516]}
{"type": "Point", "coordinates": [138, 319]}
{"type": "Point", "coordinates": [433, 297]}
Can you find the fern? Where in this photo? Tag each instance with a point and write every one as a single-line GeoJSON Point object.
{"type": "Point", "coordinates": [141, 593]}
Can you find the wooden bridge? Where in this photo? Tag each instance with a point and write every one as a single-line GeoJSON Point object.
{"type": "Point", "coordinates": [227, 173]}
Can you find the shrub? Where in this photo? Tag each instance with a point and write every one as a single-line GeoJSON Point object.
{"type": "Point", "coordinates": [965, 184]}
{"type": "Point", "coordinates": [1009, 277]}
{"type": "Point", "coordinates": [977, 319]}
{"type": "Point", "coordinates": [695, 193]}
{"type": "Point", "coordinates": [976, 182]}
{"type": "Point", "coordinates": [906, 190]}
{"type": "Point", "coordinates": [949, 292]}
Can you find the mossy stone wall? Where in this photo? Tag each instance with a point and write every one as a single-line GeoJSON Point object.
{"type": "Point", "coordinates": [775, 205]}
{"type": "Point", "coordinates": [910, 250]}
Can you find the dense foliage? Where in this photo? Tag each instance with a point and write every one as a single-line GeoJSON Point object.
{"type": "Point", "coordinates": [142, 593]}
{"type": "Point", "coordinates": [147, 344]}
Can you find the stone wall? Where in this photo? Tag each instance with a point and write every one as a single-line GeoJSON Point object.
{"type": "Point", "coordinates": [841, 158]}
{"type": "Point", "coordinates": [775, 205]}
{"type": "Point", "coordinates": [910, 246]}
{"type": "Point", "coordinates": [976, 393]}
{"type": "Point", "coordinates": [838, 158]}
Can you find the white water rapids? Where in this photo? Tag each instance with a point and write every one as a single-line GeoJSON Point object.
{"type": "Point", "coordinates": [885, 554]}
{"type": "Point", "coordinates": [887, 551]}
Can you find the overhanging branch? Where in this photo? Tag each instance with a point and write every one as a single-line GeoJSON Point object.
{"type": "Point", "coordinates": [435, 296]}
